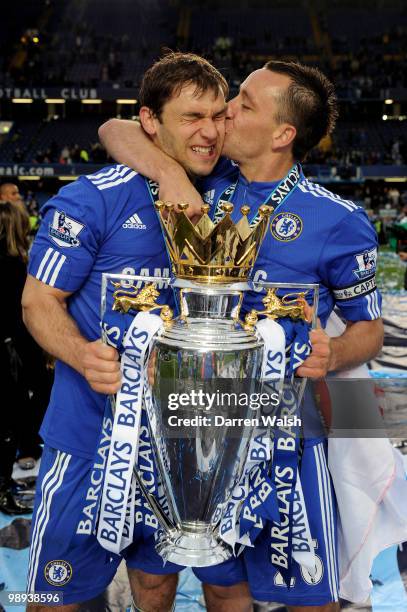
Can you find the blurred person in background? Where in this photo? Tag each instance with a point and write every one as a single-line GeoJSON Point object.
{"type": "Point", "coordinates": [9, 192]}
{"type": "Point", "coordinates": [33, 212]}
{"type": "Point", "coordinates": [25, 379]}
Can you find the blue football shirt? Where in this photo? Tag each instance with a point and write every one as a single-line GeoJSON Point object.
{"type": "Point", "coordinates": [104, 222]}
{"type": "Point", "coordinates": [314, 237]}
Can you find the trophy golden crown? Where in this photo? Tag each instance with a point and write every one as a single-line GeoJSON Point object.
{"type": "Point", "coordinates": [210, 252]}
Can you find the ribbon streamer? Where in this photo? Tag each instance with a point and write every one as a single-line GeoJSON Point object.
{"type": "Point", "coordinates": [114, 533]}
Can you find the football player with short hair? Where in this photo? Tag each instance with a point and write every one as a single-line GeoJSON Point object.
{"type": "Point", "coordinates": [103, 222]}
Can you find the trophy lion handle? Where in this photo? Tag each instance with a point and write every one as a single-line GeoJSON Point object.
{"type": "Point", "coordinates": [276, 308]}
{"type": "Point", "coordinates": [144, 299]}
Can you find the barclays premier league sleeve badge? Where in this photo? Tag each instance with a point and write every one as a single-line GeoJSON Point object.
{"type": "Point", "coordinates": [64, 230]}
{"type": "Point", "coordinates": [366, 264]}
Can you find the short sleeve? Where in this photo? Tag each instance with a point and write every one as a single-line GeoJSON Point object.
{"type": "Point", "coordinates": [68, 240]}
{"type": "Point", "coordinates": [348, 267]}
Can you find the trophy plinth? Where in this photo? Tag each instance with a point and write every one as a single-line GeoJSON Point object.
{"type": "Point", "coordinates": [195, 546]}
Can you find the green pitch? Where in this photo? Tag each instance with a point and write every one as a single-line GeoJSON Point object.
{"type": "Point", "coordinates": [390, 270]}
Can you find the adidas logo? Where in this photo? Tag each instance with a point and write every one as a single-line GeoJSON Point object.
{"type": "Point", "coordinates": [208, 197]}
{"type": "Point", "coordinates": [134, 222]}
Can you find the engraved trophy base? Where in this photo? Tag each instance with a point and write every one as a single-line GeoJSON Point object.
{"type": "Point", "coordinates": [195, 546]}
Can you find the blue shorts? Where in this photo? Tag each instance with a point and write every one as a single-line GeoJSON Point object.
{"type": "Point", "coordinates": [144, 557]}
{"type": "Point", "coordinates": [265, 582]}
{"type": "Point", "coordinates": [81, 569]}
{"type": "Point", "coordinates": [60, 561]}
{"type": "Point", "coordinates": [254, 566]}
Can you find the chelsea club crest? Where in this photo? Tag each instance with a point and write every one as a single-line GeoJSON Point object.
{"type": "Point", "coordinates": [58, 572]}
{"type": "Point", "coordinates": [286, 226]}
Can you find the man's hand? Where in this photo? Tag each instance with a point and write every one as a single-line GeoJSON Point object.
{"type": "Point", "coordinates": [101, 367]}
{"type": "Point", "coordinates": [318, 363]}
{"type": "Point", "coordinates": [181, 190]}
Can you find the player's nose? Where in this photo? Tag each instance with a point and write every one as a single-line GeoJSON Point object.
{"type": "Point", "coordinates": [231, 107]}
{"type": "Point", "coordinates": [209, 130]}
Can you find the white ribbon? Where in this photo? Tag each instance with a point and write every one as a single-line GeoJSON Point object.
{"type": "Point", "coordinates": [273, 369]}
{"type": "Point", "coordinates": [260, 449]}
{"type": "Point", "coordinates": [116, 521]}
{"type": "Point", "coordinates": [128, 527]}
{"type": "Point", "coordinates": [303, 545]}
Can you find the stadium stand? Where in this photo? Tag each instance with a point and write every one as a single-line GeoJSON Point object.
{"type": "Point", "coordinates": [86, 44]}
{"type": "Point", "coordinates": [29, 139]}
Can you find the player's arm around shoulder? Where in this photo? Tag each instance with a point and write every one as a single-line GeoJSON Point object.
{"type": "Point", "coordinates": [46, 316]}
{"type": "Point", "coordinates": [127, 142]}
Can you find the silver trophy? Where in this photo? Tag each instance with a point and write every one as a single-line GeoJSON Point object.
{"type": "Point", "coordinates": [200, 466]}
{"type": "Point", "coordinates": [199, 462]}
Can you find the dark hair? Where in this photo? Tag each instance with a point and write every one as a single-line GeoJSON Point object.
{"type": "Point", "coordinates": [14, 229]}
{"type": "Point", "coordinates": [309, 103]}
{"type": "Point", "coordinates": [168, 75]}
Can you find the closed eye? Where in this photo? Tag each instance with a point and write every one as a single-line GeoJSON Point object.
{"type": "Point", "coordinates": [220, 116]}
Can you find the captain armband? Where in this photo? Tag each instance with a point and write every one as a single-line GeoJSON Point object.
{"type": "Point", "coordinates": [356, 290]}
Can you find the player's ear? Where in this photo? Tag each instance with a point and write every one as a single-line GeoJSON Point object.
{"type": "Point", "coordinates": [148, 120]}
{"type": "Point", "coordinates": [284, 135]}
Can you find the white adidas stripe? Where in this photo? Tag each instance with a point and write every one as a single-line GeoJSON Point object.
{"type": "Point", "coordinates": [104, 174]}
{"type": "Point", "coordinates": [64, 464]}
{"type": "Point", "coordinates": [330, 520]}
{"type": "Point", "coordinates": [368, 300]}
{"type": "Point", "coordinates": [117, 182]}
{"type": "Point", "coordinates": [372, 312]}
{"type": "Point", "coordinates": [333, 551]}
{"type": "Point", "coordinates": [52, 262]}
{"type": "Point", "coordinates": [44, 484]}
{"type": "Point", "coordinates": [111, 177]}
{"type": "Point", "coordinates": [373, 305]}
{"type": "Point", "coordinates": [57, 270]}
{"type": "Point", "coordinates": [326, 529]}
{"type": "Point", "coordinates": [328, 526]}
{"type": "Point", "coordinates": [322, 506]}
{"type": "Point", "coordinates": [335, 576]}
{"type": "Point", "coordinates": [50, 266]}
{"type": "Point", "coordinates": [334, 196]}
{"type": "Point", "coordinates": [47, 482]}
{"type": "Point", "coordinates": [377, 307]}
{"type": "Point", "coordinates": [320, 192]}
{"type": "Point", "coordinates": [43, 262]}
{"type": "Point", "coordinates": [51, 482]}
